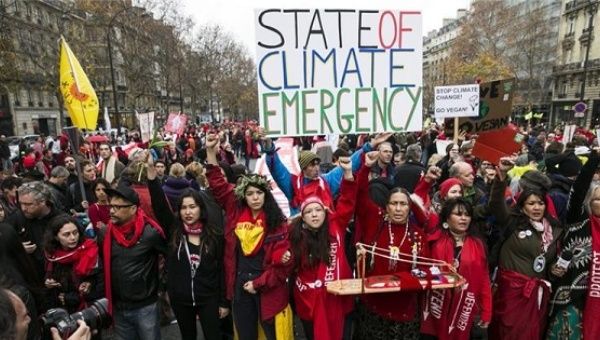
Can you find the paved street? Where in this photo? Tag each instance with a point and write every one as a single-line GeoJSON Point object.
{"type": "Point", "coordinates": [171, 332]}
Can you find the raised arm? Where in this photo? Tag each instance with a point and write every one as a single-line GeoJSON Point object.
{"type": "Point", "coordinates": [347, 199]}
{"type": "Point", "coordinates": [575, 208]}
{"type": "Point", "coordinates": [221, 189]}
{"type": "Point", "coordinates": [497, 203]}
{"type": "Point", "coordinates": [160, 205]}
{"type": "Point", "coordinates": [278, 170]}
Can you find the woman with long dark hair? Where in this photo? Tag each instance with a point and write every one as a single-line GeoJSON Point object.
{"type": "Point", "coordinates": [194, 262]}
{"type": "Point", "coordinates": [317, 239]}
{"type": "Point", "coordinates": [73, 274]}
{"type": "Point", "coordinates": [527, 246]}
{"type": "Point", "coordinates": [449, 314]}
{"type": "Point", "coordinates": [256, 238]}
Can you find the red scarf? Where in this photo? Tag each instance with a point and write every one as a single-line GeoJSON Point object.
{"type": "Point", "coordinates": [127, 236]}
{"type": "Point", "coordinates": [448, 314]}
{"type": "Point", "coordinates": [591, 326]}
{"type": "Point", "coordinates": [84, 258]}
{"type": "Point", "coordinates": [193, 229]}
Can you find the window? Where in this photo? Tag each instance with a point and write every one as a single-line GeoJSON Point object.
{"type": "Point", "coordinates": [41, 98]}
{"type": "Point", "coordinates": [29, 97]}
{"type": "Point", "coordinates": [571, 24]}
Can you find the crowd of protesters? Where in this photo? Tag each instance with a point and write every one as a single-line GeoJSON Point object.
{"type": "Point", "coordinates": [182, 231]}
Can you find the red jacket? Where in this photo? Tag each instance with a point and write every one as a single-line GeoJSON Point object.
{"type": "Point", "coordinates": [448, 314]}
{"type": "Point", "coordinates": [272, 283]}
{"type": "Point", "coordinates": [313, 303]}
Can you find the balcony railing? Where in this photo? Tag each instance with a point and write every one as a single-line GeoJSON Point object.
{"type": "Point", "coordinates": [587, 35]}
{"type": "Point", "coordinates": [575, 5]}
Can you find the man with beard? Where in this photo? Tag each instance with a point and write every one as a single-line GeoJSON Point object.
{"type": "Point", "coordinates": [110, 167]}
{"type": "Point", "coordinates": [75, 201]}
{"type": "Point", "coordinates": [30, 221]}
{"type": "Point", "coordinates": [71, 166]}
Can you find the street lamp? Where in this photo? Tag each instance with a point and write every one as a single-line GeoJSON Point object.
{"type": "Point", "coordinates": [592, 10]}
{"type": "Point", "coordinates": [112, 68]}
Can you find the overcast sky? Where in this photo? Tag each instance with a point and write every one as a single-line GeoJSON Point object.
{"type": "Point", "coordinates": [237, 16]}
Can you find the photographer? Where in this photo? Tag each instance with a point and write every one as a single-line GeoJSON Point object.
{"type": "Point", "coordinates": [14, 320]}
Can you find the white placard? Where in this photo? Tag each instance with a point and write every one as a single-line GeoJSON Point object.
{"type": "Point", "coordinates": [457, 101]}
{"type": "Point", "coordinates": [441, 146]}
{"type": "Point", "coordinates": [568, 133]}
{"type": "Point", "coordinates": [328, 71]}
{"type": "Point", "coordinates": [146, 121]}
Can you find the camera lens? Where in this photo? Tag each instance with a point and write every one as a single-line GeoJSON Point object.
{"type": "Point", "coordinates": [95, 316]}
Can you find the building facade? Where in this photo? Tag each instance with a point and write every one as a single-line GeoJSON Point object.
{"type": "Point", "coordinates": [436, 50]}
{"type": "Point", "coordinates": [29, 32]}
{"type": "Point", "coordinates": [577, 71]}
{"type": "Point", "coordinates": [29, 102]}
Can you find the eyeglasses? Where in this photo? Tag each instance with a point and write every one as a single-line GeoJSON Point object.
{"type": "Point", "coordinates": [119, 206]}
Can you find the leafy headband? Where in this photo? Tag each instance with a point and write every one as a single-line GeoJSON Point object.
{"type": "Point", "coordinates": [254, 180]}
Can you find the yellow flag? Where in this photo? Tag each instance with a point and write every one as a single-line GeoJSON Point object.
{"type": "Point", "coordinates": [79, 96]}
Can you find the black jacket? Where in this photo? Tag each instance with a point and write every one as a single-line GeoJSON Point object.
{"type": "Point", "coordinates": [74, 196]}
{"type": "Point", "coordinates": [134, 271]}
{"type": "Point", "coordinates": [59, 196]}
{"type": "Point", "coordinates": [33, 230]}
{"type": "Point", "coordinates": [63, 273]}
{"type": "Point", "coordinates": [4, 150]}
{"type": "Point", "coordinates": [209, 280]}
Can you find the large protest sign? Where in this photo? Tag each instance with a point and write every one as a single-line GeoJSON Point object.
{"type": "Point", "coordinates": [457, 101]}
{"type": "Point", "coordinates": [495, 107]}
{"type": "Point", "coordinates": [339, 71]}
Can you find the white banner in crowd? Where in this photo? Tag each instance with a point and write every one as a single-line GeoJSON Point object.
{"type": "Point", "coordinates": [457, 101]}
{"type": "Point", "coordinates": [289, 157]}
{"type": "Point", "coordinates": [339, 71]}
{"type": "Point", "coordinates": [146, 121]}
{"type": "Point", "coordinates": [568, 133]}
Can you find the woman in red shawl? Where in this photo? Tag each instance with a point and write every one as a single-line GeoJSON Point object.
{"type": "Point", "coordinates": [73, 275]}
{"type": "Point", "coordinates": [448, 314]}
{"type": "Point", "coordinates": [317, 240]}
{"type": "Point", "coordinates": [390, 315]}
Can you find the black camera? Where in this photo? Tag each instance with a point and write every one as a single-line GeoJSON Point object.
{"type": "Point", "coordinates": [95, 316]}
